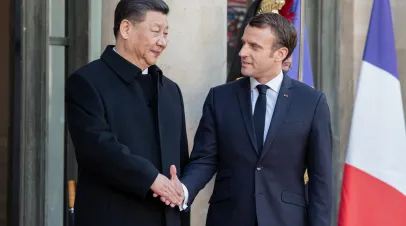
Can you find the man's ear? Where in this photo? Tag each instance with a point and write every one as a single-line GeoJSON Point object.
{"type": "Point", "coordinates": [125, 29]}
{"type": "Point", "coordinates": [281, 54]}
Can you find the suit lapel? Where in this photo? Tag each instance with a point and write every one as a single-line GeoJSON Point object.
{"type": "Point", "coordinates": [167, 142]}
{"type": "Point", "coordinates": [281, 108]}
{"type": "Point", "coordinates": [244, 98]}
{"type": "Point", "coordinates": [164, 122]}
{"type": "Point", "coordinates": [163, 127]}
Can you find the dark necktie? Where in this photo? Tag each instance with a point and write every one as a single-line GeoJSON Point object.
{"type": "Point", "coordinates": [259, 115]}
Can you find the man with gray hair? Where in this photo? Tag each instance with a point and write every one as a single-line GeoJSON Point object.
{"type": "Point", "coordinates": [127, 124]}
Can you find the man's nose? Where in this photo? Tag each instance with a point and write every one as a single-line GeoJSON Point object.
{"type": "Point", "coordinates": [163, 42]}
{"type": "Point", "coordinates": [243, 51]}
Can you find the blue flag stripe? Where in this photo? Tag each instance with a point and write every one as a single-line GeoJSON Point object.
{"type": "Point", "coordinates": [380, 49]}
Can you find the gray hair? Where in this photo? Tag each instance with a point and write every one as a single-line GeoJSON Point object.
{"type": "Point", "coordinates": [136, 10]}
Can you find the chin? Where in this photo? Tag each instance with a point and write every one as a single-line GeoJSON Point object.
{"type": "Point", "coordinates": [246, 72]}
{"type": "Point", "coordinates": [151, 61]}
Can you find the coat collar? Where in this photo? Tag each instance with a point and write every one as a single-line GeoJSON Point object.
{"type": "Point", "coordinates": [245, 83]}
{"type": "Point", "coordinates": [126, 70]}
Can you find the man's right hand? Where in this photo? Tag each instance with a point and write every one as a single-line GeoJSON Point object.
{"type": "Point", "coordinates": [163, 187]}
{"type": "Point", "coordinates": [178, 186]}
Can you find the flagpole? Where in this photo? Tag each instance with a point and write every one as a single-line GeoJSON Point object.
{"type": "Point", "coordinates": [301, 44]}
{"type": "Point", "coordinates": [301, 60]}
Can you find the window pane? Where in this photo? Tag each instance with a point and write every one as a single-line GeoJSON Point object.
{"type": "Point", "coordinates": [57, 18]}
{"type": "Point", "coordinates": [56, 136]}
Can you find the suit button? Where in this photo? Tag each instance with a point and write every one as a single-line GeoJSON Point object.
{"type": "Point", "coordinates": [259, 168]}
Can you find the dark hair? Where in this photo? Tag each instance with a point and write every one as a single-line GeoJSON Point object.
{"type": "Point", "coordinates": [136, 10]}
{"type": "Point", "coordinates": [282, 28]}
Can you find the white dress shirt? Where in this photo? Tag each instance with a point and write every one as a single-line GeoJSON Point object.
{"type": "Point", "coordinates": [271, 97]}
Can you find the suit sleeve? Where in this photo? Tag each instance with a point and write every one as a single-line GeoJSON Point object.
{"type": "Point", "coordinates": [319, 161]}
{"type": "Point", "coordinates": [203, 160]}
{"type": "Point", "coordinates": [98, 151]}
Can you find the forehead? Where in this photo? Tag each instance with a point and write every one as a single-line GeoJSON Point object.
{"type": "Point", "coordinates": [262, 36]}
{"type": "Point", "coordinates": [153, 18]}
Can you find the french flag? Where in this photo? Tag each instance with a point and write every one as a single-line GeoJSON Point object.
{"type": "Point", "coordinates": [374, 183]}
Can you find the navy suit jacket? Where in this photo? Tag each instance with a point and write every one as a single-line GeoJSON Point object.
{"type": "Point", "coordinates": [267, 187]}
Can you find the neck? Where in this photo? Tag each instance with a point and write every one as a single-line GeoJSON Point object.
{"type": "Point", "coordinates": [268, 77]}
{"type": "Point", "coordinates": [123, 52]}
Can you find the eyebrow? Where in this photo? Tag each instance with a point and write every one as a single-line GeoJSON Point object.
{"type": "Point", "coordinates": [252, 43]}
{"type": "Point", "coordinates": [159, 25]}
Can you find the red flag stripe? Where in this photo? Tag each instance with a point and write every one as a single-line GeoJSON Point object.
{"type": "Point", "coordinates": [367, 201]}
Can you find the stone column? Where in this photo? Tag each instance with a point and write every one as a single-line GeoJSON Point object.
{"type": "Point", "coordinates": [195, 59]}
{"type": "Point", "coordinates": [346, 86]}
{"type": "Point", "coordinates": [29, 193]}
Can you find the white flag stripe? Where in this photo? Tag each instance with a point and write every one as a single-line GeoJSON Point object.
{"type": "Point", "coordinates": [377, 142]}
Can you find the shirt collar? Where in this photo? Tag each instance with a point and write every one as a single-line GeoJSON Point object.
{"type": "Point", "coordinates": [144, 72]}
{"type": "Point", "coordinates": [275, 84]}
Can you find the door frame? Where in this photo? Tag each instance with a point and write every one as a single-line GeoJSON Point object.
{"type": "Point", "coordinates": [13, 179]}
{"type": "Point", "coordinates": [28, 202]}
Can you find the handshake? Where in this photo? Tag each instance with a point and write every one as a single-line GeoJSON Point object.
{"type": "Point", "coordinates": [169, 191]}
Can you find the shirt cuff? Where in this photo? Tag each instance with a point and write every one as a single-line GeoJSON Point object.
{"type": "Point", "coordinates": [185, 200]}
